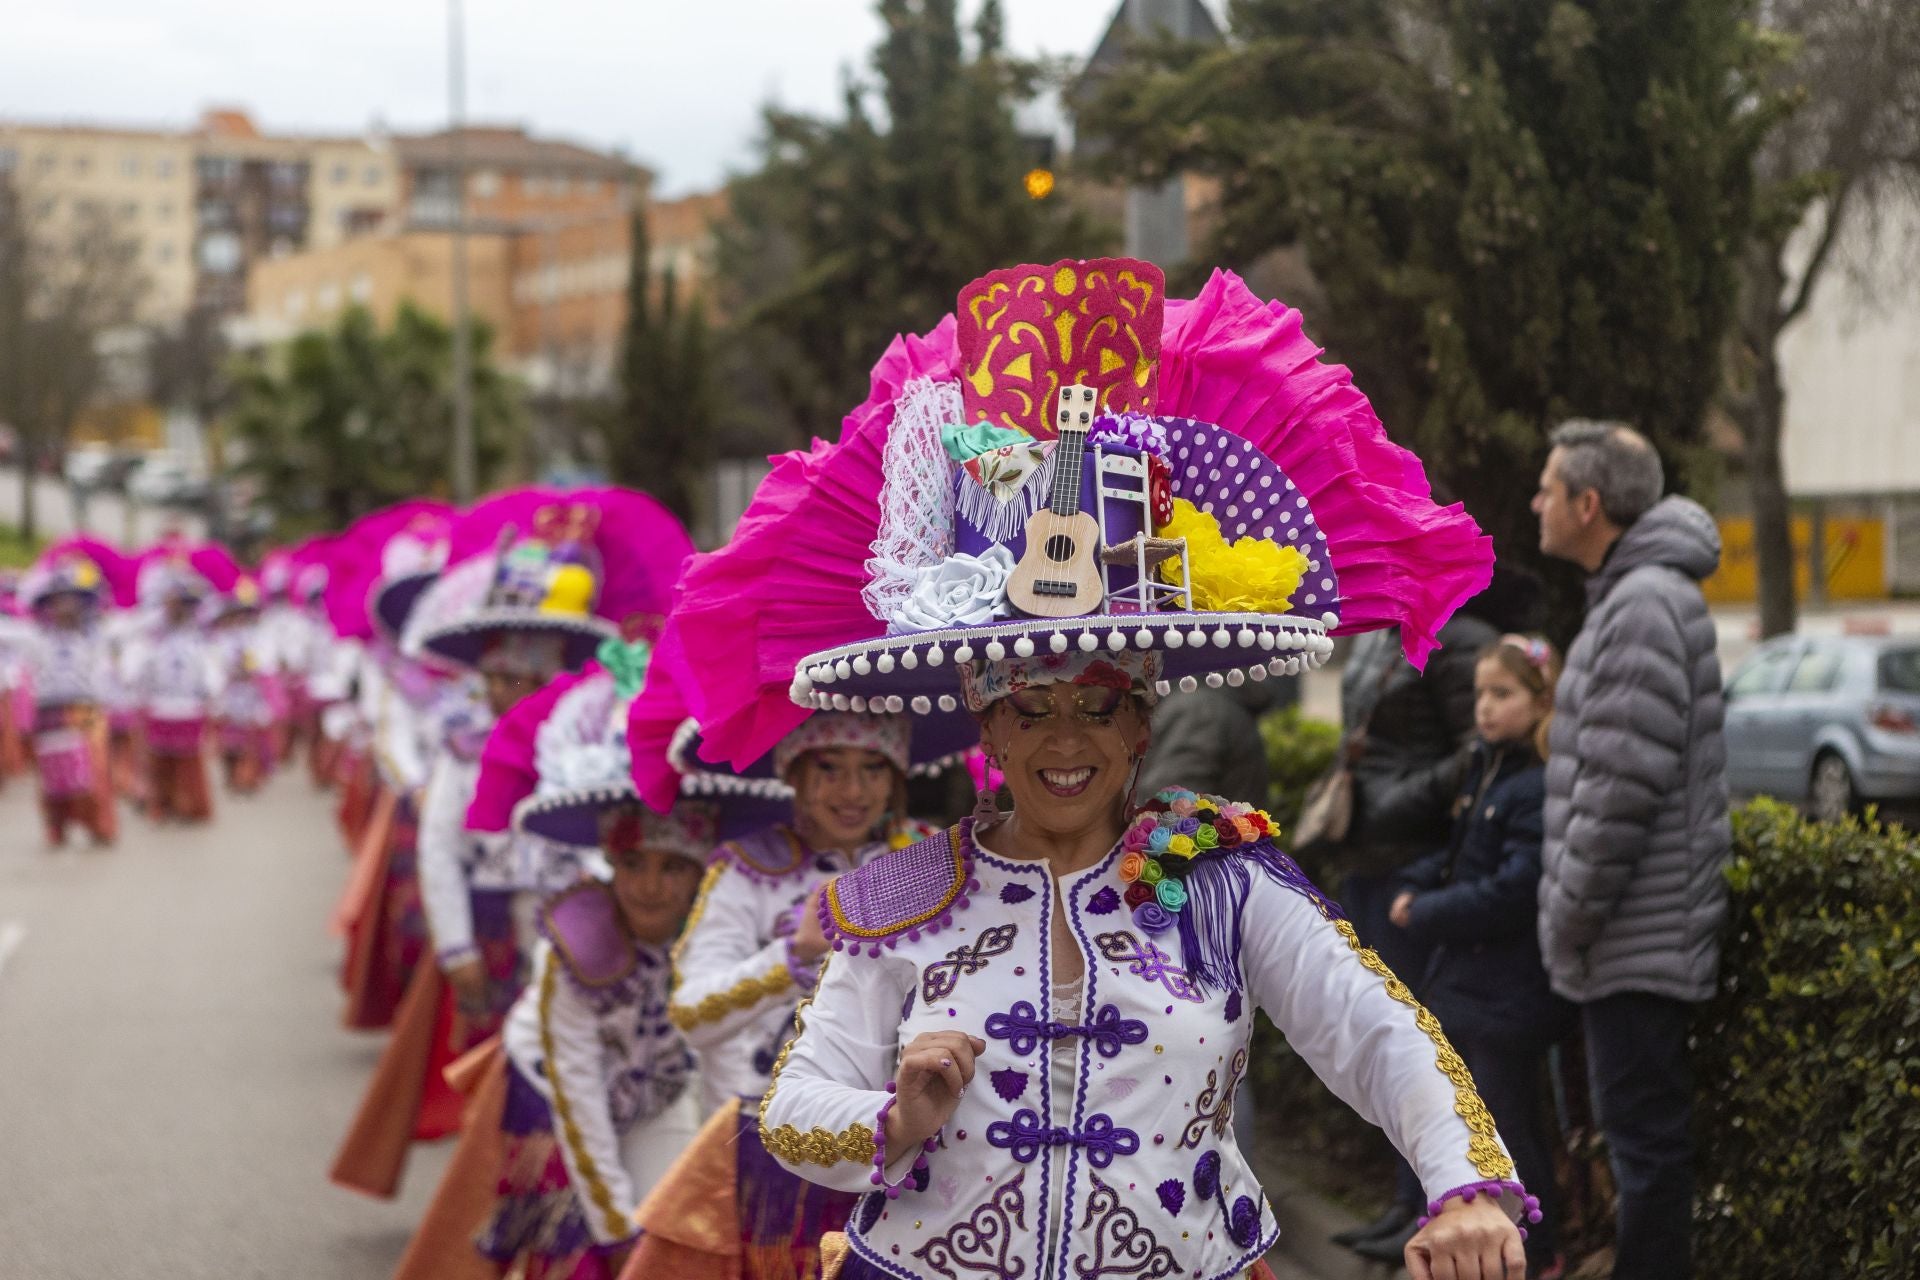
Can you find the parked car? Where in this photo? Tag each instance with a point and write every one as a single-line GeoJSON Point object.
{"type": "Point", "coordinates": [164, 479]}
{"type": "Point", "coordinates": [1827, 722]}
{"type": "Point", "coordinates": [86, 465]}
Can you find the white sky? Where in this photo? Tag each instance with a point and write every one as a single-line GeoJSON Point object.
{"type": "Point", "coordinates": [677, 83]}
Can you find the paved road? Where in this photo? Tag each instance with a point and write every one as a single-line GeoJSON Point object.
{"type": "Point", "coordinates": [173, 1075]}
{"type": "Point", "coordinates": [107, 515]}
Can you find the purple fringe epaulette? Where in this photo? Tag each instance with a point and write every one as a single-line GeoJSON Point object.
{"type": "Point", "coordinates": [904, 893]}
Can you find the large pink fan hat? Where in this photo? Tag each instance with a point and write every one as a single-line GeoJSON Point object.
{"type": "Point", "coordinates": [585, 565]}
{"type": "Point", "coordinates": [879, 572]}
{"type": "Point", "coordinates": [353, 564]}
{"type": "Point", "coordinates": [411, 559]}
{"type": "Point", "coordinates": [89, 566]}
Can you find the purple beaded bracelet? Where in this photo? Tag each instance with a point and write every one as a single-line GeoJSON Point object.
{"type": "Point", "coordinates": [879, 1176]}
{"type": "Point", "coordinates": [1493, 1188]}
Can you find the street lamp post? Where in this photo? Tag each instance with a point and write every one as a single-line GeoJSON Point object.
{"type": "Point", "coordinates": [463, 461]}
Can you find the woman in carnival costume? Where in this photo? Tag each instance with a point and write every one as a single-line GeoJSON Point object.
{"type": "Point", "coordinates": [295, 639]}
{"type": "Point", "coordinates": [173, 671]}
{"type": "Point", "coordinates": [1024, 1050]}
{"type": "Point", "coordinates": [69, 667]}
{"type": "Point", "coordinates": [560, 1146]}
{"type": "Point", "coordinates": [750, 955]}
{"type": "Point", "coordinates": [540, 604]}
{"type": "Point", "coordinates": [404, 703]}
{"type": "Point", "coordinates": [251, 702]}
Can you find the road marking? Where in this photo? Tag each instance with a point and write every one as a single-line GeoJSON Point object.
{"type": "Point", "coordinates": [12, 934]}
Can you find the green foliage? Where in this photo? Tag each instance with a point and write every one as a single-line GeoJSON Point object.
{"type": "Point", "coordinates": [18, 550]}
{"type": "Point", "coordinates": [1810, 1056]}
{"type": "Point", "coordinates": [338, 423]}
{"type": "Point", "coordinates": [1299, 749]}
{"type": "Point", "coordinates": [657, 435]}
{"type": "Point", "coordinates": [854, 230]}
{"type": "Point", "coordinates": [1519, 211]}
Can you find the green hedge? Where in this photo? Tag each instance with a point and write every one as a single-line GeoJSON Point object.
{"type": "Point", "coordinates": [1299, 749]}
{"type": "Point", "coordinates": [1809, 1059]}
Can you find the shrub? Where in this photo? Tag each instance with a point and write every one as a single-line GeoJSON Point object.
{"type": "Point", "coordinates": [1299, 749]}
{"type": "Point", "coordinates": [1809, 1058]}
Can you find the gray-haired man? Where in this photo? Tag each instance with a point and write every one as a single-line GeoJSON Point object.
{"type": "Point", "coordinates": [1631, 899]}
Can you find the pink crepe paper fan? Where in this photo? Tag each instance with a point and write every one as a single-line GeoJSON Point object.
{"type": "Point", "coordinates": [354, 564]}
{"type": "Point", "coordinates": [789, 581]}
{"type": "Point", "coordinates": [643, 548]}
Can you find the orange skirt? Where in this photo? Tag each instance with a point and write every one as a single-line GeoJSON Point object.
{"type": "Point", "coordinates": [442, 1247]}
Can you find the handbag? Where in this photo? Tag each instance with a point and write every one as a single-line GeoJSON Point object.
{"type": "Point", "coordinates": [1326, 814]}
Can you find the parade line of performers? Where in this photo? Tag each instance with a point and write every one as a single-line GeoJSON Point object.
{"type": "Point", "coordinates": [637, 890]}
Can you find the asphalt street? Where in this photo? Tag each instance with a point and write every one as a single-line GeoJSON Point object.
{"type": "Point", "coordinates": [173, 1073]}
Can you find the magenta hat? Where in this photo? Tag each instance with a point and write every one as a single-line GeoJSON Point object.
{"type": "Point", "coordinates": [353, 564]}
{"type": "Point", "coordinates": [62, 567]}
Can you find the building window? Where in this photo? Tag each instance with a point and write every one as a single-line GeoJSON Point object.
{"type": "Point", "coordinates": [485, 184]}
{"type": "Point", "coordinates": [46, 162]}
{"type": "Point", "coordinates": [296, 302]}
{"type": "Point", "coordinates": [163, 252]}
{"type": "Point", "coordinates": [130, 209]}
{"type": "Point", "coordinates": [130, 165]}
{"type": "Point", "coordinates": [163, 167]}
{"type": "Point", "coordinates": [559, 184]}
{"type": "Point", "coordinates": [362, 288]}
{"type": "Point", "coordinates": [372, 175]}
{"type": "Point", "coordinates": [287, 176]}
{"type": "Point", "coordinates": [220, 253]}
{"type": "Point", "coordinates": [216, 213]}
{"type": "Point", "coordinates": [82, 164]}
{"type": "Point", "coordinates": [217, 169]}
{"type": "Point", "coordinates": [46, 206]}
{"type": "Point", "coordinates": [9, 158]}
{"type": "Point", "coordinates": [340, 174]}
{"type": "Point", "coordinates": [163, 211]}
{"type": "Point", "coordinates": [328, 298]}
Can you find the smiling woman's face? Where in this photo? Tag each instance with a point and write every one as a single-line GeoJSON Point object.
{"type": "Point", "coordinates": [1067, 752]}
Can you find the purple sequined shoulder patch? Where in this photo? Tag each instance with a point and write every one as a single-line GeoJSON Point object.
{"type": "Point", "coordinates": [583, 924]}
{"type": "Point", "coordinates": [904, 893]}
{"type": "Point", "coordinates": [769, 854]}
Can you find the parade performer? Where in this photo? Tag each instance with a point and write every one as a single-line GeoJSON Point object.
{"type": "Point", "coordinates": [69, 669]}
{"type": "Point", "coordinates": [405, 704]}
{"type": "Point", "coordinates": [1024, 1049]}
{"type": "Point", "coordinates": [558, 1198]}
{"type": "Point", "coordinates": [250, 702]}
{"type": "Point", "coordinates": [175, 676]}
{"type": "Point", "coordinates": [542, 603]}
{"type": "Point", "coordinates": [295, 638]}
{"type": "Point", "coordinates": [749, 957]}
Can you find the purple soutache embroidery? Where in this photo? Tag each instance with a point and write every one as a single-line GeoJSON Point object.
{"type": "Point", "coordinates": [1024, 1136]}
{"type": "Point", "coordinates": [1015, 893]}
{"type": "Point", "coordinates": [1214, 1107]}
{"type": "Point", "coordinates": [1173, 1195]}
{"type": "Point", "coordinates": [982, 1244]}
{"type": "Point", "coordinates": [1105, 902]}
{"type": "Point", "coordinates": [1243, 1224]}
{"type": "Point", "coordinates": [1114, 1241]}
{"type": "Point", "coordinates": [1148, 961]}
{"type": "Point", "coordinates": [1023, 1029]}
{"type": "Point", "coordinates": [1233, 1006]}
{"type": "Point", "coordinates": [942, 976]}
{"type": "Point", "coordinates": [1008, 1083]}
{"type": "Point", "coordinates": [1206, 1175]}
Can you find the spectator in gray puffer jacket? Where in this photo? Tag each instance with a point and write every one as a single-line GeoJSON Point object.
{"type": "Point", "coordinates": [1631, 896]}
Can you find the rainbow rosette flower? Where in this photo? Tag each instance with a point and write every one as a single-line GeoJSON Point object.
{"type": "Point", "coordinates": [1152, 873]}
{"type": "Point", "coordinates": [1153, 918]}
{"type": "Point", "coordinates": [1171, 894]}
{"type": "Point", "coordinates": [1131, 866]}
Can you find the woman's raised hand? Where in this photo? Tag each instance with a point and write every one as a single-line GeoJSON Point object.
{"type": "Point", "coordinates": [935, 1069]}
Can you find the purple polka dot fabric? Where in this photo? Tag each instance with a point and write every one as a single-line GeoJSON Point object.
{"type": "Point", "coordinates": [1242, 488]}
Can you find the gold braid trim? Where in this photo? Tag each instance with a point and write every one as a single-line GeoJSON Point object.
{"type": "Point", "coordinates": [743, 994]}
{"type": "Point", "coordinates": [597, 1191]}
{"type": "Point", "coordinates": [1483, 1148]}
{"type": "Point", "coordinates": [824, 1147]}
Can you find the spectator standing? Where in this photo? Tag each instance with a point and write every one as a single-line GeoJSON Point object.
{"type": "Point", "coordinates": [1631, 894]}
{"type": "Point", "coordinates": [1474, 902]}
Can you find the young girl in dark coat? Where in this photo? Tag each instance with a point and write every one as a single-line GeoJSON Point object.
{"type": "Point", "coordinates": [1474, 903]}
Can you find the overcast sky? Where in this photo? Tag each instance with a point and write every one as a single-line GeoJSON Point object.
{"type": "Point", "coordinates": [678, 83]}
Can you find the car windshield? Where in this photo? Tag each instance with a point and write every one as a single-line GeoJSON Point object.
{"type": "Point", "coordinates": [1900, 670]}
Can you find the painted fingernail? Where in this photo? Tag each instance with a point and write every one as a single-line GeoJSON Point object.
{"type": "Point", "coordinates": [946, 1062]}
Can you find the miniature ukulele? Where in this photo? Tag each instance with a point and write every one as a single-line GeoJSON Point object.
{"type": "Point", "coordinates": [1059, 573]}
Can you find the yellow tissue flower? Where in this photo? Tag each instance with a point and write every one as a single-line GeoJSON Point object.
{"type": "Point", "coordinates": [1253, 575]}
{"type": "Point", "coordinates": [570, 592]}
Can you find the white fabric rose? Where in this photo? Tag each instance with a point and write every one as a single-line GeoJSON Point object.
{"type": "Point", "coordinates": [960, 591]}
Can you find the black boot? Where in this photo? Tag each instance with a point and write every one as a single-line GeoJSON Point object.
{"type": "Point", "coordinates": [1392, 1222]}
{"type": "Point", "coordinates": [1391, 1247]}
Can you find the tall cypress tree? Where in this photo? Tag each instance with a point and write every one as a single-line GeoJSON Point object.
{"type": "Point", "coordinates": [1519, 210]}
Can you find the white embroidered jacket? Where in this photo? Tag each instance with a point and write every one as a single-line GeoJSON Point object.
{"type": "Point", "coordinates": [1131, 1169]}
{"type": "Point", "coordinates": [591, 1033]}
{"type": "Point", "coordinates": [735, 981]}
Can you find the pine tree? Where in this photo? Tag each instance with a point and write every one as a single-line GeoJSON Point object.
{"type": "Point", "coordinates": [854, 230]}
{"type": "Point", "coordinates": [1519, 210]}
